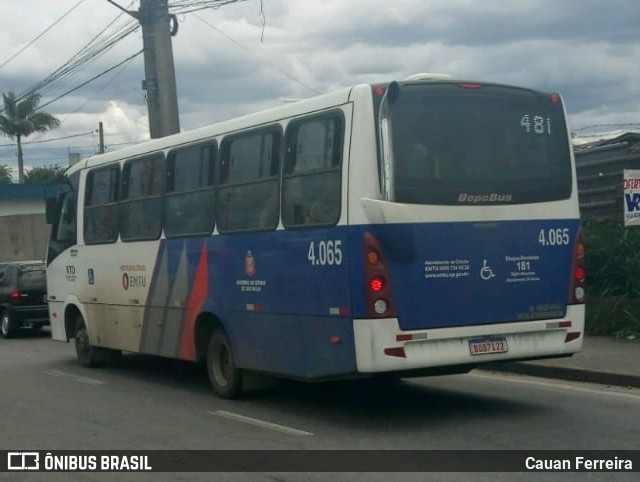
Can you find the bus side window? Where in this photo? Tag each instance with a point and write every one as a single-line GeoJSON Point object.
{"type": "Point", "coordinates": [101, 205]}
{"type": "Point", "coordinates": [142, 198]}
{"type": "Point", "coordinates": [63, 233]}
{"type": "Point", "coordinates": [189, 201]}
{"type": "Point", "coordinates": [248, 189]}
{"type": "Point", "coordinates": [311, 191]}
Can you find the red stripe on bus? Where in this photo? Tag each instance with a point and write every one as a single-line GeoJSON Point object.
{"type": "Point", "coordinates": [197, 297]}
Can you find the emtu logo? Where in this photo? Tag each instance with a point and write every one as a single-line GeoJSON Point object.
{"type": "Point", "coordinates": [23, 461]}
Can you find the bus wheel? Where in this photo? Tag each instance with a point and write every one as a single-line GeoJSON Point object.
{"type": "Point", "coordinates": [7, 326]}
{"type": "Point", "coordinates": [223, 374]}
{"type": "Point", "coordinates": [88, 356]}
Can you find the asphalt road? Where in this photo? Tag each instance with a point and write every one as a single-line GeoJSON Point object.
{"type": "Point", "coordinates": [48, 402]}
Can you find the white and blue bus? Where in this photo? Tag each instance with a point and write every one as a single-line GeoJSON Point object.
{"type": "Point", "coordinates": [408, 228]}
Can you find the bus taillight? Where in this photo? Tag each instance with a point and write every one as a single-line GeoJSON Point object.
{"type": "Point", "coordinates": [377, 285]}
{"type": "Point", "coordinates": [379, 90]}
{"type": "Point", "coordinates": [378, 290]}
{"type": "Point", "coordinates": [578, 274]}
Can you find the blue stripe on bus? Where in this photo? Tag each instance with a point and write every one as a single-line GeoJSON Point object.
{"type": "Point", "coordinates": [282, 297]}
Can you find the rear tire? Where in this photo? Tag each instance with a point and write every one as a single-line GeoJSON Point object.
{"type": "Point", "coordinates": [7, 325]}
{"type": "Point", "coordinates": [225, 377]}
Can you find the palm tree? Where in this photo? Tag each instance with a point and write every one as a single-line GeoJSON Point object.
{"type": "Point", "coordinates": [21, 118]}
{"type": "Point", "coordinates": [5, 174]}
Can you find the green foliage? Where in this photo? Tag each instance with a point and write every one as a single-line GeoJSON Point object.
{"type": "Point", "coordinates": [613, 288]}
{"type": "Point", "coordinates": [44, 174]}
{"type": "Point", "coordinates": [22, 118]}
{"type": "Point", "coordinates": [5, 174]}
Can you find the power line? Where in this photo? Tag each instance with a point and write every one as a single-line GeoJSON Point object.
{"type": "Point", "coordinates": [189, 6]}
{"type": "Point", "coordinates": [97, 46]}
{"type": "Point", "coordinates": [111, 80]}
{"type": "Point", "coordinates": [49, 140]}
{"type": "Point", "coordinates": [128, 59]}
{"type": "Point", "coordinates": [41, 34]}
{"type": "Point", "coordinates": [282, 71]}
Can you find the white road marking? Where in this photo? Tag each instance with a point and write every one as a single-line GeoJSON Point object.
{"type": "Point", "coordinates": [75, 378]}
{"type": "Point", "coordinates": [631, 393]}
{"type": "Point", "coordinates": [258, 423]}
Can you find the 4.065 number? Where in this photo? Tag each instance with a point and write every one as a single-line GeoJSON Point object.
{"type": "Point", "coordinates": [554, 237]}
{"type": "Point", "coordinates": [325, 253]}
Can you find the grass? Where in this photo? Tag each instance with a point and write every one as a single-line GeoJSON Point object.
{"type": "Point", "coordinates": [613, 278]}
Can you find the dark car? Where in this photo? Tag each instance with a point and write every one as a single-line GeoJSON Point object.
{"type": "Point", "coordinates": [23, 289]}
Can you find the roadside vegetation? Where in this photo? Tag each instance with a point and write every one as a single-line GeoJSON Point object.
{"type": "Point", "coordinates": [613, 278]}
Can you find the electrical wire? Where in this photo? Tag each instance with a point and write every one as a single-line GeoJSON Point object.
{"type": "Point", "coordinates": [128, 59]}
{"type": "Point", "coordinates": [189, 6]}
{"type": "Point", "coordinates": [49, 140]}
{"type": "Point", "coordinates": [102, 42]}
{"type": "Point", "coordinates": [41, 34]}
{"type": "Point", "coordinates": [282, 71]}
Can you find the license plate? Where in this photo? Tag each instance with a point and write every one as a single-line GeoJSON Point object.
{"type": "Point", "coordinates": [487, 346]}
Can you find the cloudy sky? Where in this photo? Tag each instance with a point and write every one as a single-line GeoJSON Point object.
{"type": "Point", "coordinates": [228, 63]}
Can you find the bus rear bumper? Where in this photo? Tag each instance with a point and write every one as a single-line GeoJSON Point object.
{"type": "Point", "coordinates": [381, 346]}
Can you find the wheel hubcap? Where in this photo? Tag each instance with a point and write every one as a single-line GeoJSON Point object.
{"type": "Point", "coordinates": [222, 365]}
{"type": "Point", "coordinates": [5, 324]}
{"type": "Point", "coordinates": [81, 340]}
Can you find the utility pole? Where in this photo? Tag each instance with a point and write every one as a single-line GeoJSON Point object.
{"type": "Point", "coordinates": [160, 78]}
{"type": "Point", "coordinates": [100, 138]}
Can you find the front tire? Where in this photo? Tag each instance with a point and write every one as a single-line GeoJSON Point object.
{"type": "Point", "coordinates": [7, 325]}
{"type": "Point", "coordinates": [88, 355]}
{"type": "Point", "coordinates": [225, 377]}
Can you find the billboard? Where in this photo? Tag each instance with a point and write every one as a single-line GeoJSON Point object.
{"type": "Point", "coordinates": [631, 191]}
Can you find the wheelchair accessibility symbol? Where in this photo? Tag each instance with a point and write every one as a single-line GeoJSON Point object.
{"type": "Point", "coordinates": [486, 272]}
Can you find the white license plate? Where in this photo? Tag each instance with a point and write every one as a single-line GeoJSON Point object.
{"type": "Point", "coordinates": [487, 346]}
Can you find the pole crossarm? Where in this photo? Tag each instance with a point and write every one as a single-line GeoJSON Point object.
{"type": "Point", "coordinates": [133, 13]}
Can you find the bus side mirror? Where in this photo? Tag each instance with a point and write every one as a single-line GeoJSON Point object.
{"type": "Point", "coordinates": [51, 210]}
{"type": "Point", "coordinates": [393, 91]}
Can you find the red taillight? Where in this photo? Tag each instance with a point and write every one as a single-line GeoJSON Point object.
{"type": "Point", "coordinates": [14, 297]}
{"type": "Point", "coordinates": [378, 90]}
{"type": "Point", "coordinates": [555, 98]}
{"type": "Point", "coordinates": [379, 297]}
{"type": "Point", "coordinates": [578, 273]}
{"type": "Point", "coordinates": [376, 285]}
{"type": "Point", "coordinates": [470, 86]}
{"type": "Point", "coordinates": [571, 336]}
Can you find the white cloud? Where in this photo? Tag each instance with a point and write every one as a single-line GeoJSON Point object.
{"type": "Point", "coordinates": [585, 49]}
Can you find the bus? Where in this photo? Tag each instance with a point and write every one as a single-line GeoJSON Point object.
{"type": "Point", "coordinates": [405, 228]}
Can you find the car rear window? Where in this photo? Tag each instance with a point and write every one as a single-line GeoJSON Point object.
{"type": "Point", "coordinates": [32, 278]}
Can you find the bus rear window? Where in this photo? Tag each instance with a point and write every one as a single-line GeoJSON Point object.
{"type": "Point", "coordinates": [489, 145]}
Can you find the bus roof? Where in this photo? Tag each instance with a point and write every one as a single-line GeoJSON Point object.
{"type": "Point", "coordinates": [268, 116]}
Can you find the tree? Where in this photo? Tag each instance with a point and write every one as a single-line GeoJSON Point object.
{"type": "Point", "coordinates": [44, 174]}
{"type": "Point", "coordinates": [5, 174]}
{"type": "Point", "coordinates": [21, 118]}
